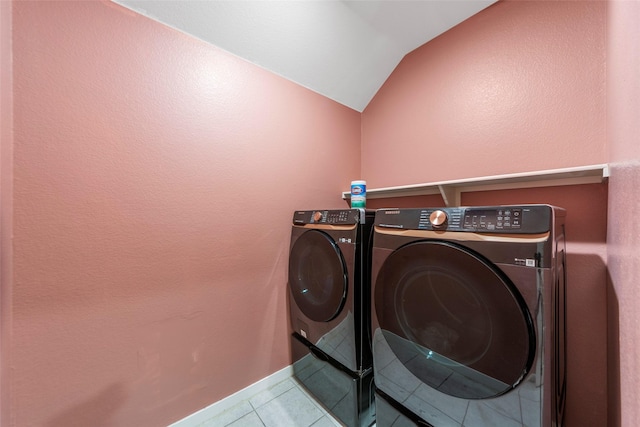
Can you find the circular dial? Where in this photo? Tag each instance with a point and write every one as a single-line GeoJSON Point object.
{"type": "Point", "coordinates": [438, 218]}
{"type": "Point", "coordinates": [317, 216]}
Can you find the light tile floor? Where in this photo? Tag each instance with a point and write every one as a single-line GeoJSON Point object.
{"type": "Point", "coordinates": [286, 404]}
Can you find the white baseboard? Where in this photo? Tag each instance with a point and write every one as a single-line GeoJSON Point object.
{"type": "Point", "coordinates": [220, 406]}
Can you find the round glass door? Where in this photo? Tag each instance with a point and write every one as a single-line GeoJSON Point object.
{"type": "Point", "coordinates": [454, 320]}
{"type": "Point", "coordinates": [317, 276]}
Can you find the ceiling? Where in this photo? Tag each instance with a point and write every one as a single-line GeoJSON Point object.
{"type": "Point", "coordinates": [344, 50]}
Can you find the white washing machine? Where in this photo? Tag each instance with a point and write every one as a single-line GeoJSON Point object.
{"type": "Point", "coordinates": [468, 316]}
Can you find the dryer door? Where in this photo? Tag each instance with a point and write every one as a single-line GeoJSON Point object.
{"type": "Point", "coordinates": [317, 276]}
{"type": "Point", "coordinates": [454, 320]}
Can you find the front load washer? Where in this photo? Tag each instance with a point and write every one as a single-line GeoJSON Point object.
{"type": "Point", "coordinates": [329, 302]}
{"type": "Point", "coordinates": [468, 316]}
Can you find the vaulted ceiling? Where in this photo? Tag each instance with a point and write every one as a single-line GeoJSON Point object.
{"type": "Point", "coordinates": [344, 50]}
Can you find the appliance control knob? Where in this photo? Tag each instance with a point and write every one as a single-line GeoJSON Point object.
{"type": "Point", "coordinates": [438, 218]}
{"type": "Point", "coordinates": [317, 216]}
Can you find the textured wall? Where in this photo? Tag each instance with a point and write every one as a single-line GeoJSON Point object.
{"type": "Point", "coordinates": [145, 161]}
{"type": "Point", "coordinates": [623, 69]}
{"type": "Point", "coordinates": [6, 203]}
{"type": "Point", "coordinates": [518, 87]}
{"type": "Point", "coordinates": [155, 178]}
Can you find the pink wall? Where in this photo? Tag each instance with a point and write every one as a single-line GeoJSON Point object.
{"type": "Point", "coordinates": [623, 68]}
{"type": "Point", "coordinates": [153, 186]}
{"type": "Point", "coordinates": [518, 87]}
{"type": "Point", "coordinates": [6, 202]}
{"type": "Point", "coordinates": [520, 80]}
{"type": "Point", "coordinates": [137, 163]}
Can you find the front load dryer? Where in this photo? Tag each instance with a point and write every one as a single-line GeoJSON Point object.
{"type": "Point", "coordinates": [468, 316]}
{"type": "Point", "coordinates": [329, 302]}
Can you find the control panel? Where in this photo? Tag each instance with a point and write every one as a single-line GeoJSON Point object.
{"type": "Point", "coordinates": [493, 219]}
{"type": "Point", "coordinates": [333, 217]}
{"type": "Point", "coordinates": [486, 219]}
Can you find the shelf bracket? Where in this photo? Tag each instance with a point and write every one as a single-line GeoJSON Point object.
{"type": "Point", "coordinates": [450, 195]}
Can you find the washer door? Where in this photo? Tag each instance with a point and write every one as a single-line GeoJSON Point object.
{"type": "Point", "coordinates": [317, 276]}
{"type": "Point", "coordinates": [454, 320]}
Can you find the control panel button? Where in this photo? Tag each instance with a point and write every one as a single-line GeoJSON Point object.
{"type": "Point", "coordinates": [438, 218]}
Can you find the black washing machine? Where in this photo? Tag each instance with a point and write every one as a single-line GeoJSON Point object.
{"type": "Point", "coordinates": [468, 316]}
{"type": "Point", "coordinates": [329, 293]}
